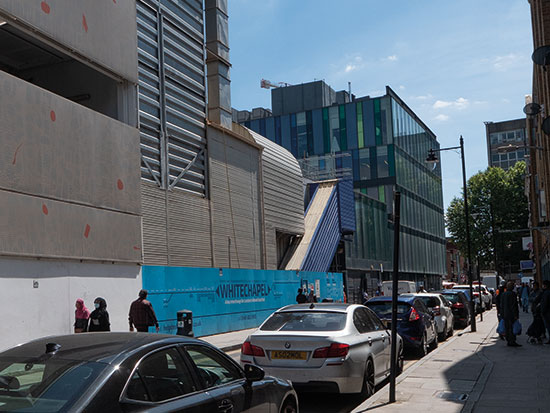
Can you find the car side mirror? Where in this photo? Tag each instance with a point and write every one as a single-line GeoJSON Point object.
{"type": "Point", "coordinates": [253, 373]}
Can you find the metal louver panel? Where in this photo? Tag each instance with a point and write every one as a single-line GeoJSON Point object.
{"type": "Point", "coordinates": [172, 94]}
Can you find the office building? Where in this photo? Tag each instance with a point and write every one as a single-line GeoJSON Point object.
{"type": "Point", "coordinates": [383, 145]}
{"type": "Point", "coordinates": [506, 142]}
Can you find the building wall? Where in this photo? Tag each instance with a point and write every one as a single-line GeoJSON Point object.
{"type": "Point", "coordinates": [282, 195]}
{"type": "Point", "coordinates": [38, 297]}
{"type": "Point", "coordinates": [101, 32]}
{"type": "Point", "coordinates": [540, 159]}
{"type": "Point", "coordinates": [70, 220]}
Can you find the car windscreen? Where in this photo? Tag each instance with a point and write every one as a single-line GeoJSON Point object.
{"type": "Point", "coordinates": [44, 384]}
{"type": "Point", "coordinates": [430, 301]}
{"type": "Point", "coordinates": [305, 321]}
{"type": "Point", "coordinates": [383, 308]}
{"type": "Point", "coordinates": [453, 298]}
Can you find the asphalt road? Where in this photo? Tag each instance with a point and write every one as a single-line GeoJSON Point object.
{"type": "Point", "coordinates": [326, 402]}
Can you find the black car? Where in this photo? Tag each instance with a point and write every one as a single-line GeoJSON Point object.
{"type": "Point", "coordinates": [415, 322]}
{"type": "Point", "coordinates": [459, 305]}
{"type": "Point", "coordinates": [134, 372]}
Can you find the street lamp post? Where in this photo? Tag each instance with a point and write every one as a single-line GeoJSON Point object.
{"type": "Point", "coordinates": [432, 158]}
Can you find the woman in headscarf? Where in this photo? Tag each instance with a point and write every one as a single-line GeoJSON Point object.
{"type": "Point", "coordinates": [99, 319]}
{"type": "Point", "coordinates": [82, 315]}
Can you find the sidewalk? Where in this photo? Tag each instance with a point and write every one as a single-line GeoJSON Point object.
{"type": "Point", "coordinates": [473, 372]}
{"type": "Point", "coordinates": [228, 341]}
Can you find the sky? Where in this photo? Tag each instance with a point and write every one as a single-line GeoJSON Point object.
{"type": "Point", "coordinates": [456, 63]}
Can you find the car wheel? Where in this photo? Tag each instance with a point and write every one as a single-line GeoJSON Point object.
{"type": "Point", "coordinates": [289, 406]}
{"type": "Point", "coordinates": [400, 361]}
{"type": "Point", "coordinates": [451, 330]}
{"type": "Point", "coordinates": [443, 335]}
{"type": "Point", "coordinates": [434, 343]}
{"type": "Point", "coordinates": [368, 380]}
{"type": "Point", "coordinates": [423, 349]}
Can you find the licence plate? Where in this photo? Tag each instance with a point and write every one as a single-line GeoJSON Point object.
{"type": "Point", "coordinates": [289, 355]}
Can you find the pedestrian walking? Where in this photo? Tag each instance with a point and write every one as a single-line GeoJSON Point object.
{"type": "Point", "coordinates": [500, 291]}
{"type": "Point", "coordinates": [510, 313]}
{"type": "Point", "coordinates": [301, 297]}
{"type": "Point", "coordinates": [81, 316]}
{"type": "Point", "coordinates": [99, 319]}
{"type": "Point", "coordinates": [544, 301]}
{"type": "Point", "coordinates": [533, 296]}
{"type": "Point", "coordinates": [141, 315]}
{"type": "Point", "coordinates": [525, 298]}
{"type": "Point", "coordinates": [311, 297]}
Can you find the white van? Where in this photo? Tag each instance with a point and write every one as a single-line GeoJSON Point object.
{"type": "Point", "coordinates": [403, 287]}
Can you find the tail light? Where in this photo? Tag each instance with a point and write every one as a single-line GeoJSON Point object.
{"type": "Point", "coordinates": [335, 350]}
{"type": "Point", "coordinates": [414, 315]}
{"type": "Point", "coordinates": [249, 349]}
{"type": "Point", "coordinates": [458, 305]}
{"type": "Point", "coordinates": [436, 310]}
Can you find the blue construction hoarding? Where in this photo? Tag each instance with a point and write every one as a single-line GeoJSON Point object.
{"type": "Point", "coordinates": [228, 299]}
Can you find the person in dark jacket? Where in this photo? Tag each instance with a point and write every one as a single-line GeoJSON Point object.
{"type": "Point", "coordinates": [510, 312]}
{"type": "Point", "coordinates": [500, 291]}
{"type": "Point", "coordinates": [99, 319]}
{"type": "Point", "coordinates": [535, 292]}
{"type": "Point", "coordinates": [141, 315]}
{"type": "Point", "coordinates": [301, 297]}
{"type": "Point", "coordinates": [544, 301]}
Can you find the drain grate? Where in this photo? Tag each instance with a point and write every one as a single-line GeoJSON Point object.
{"type": "Point", "coordinates": [452, 396]}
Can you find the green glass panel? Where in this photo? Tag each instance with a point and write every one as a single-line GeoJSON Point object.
{"type": "Point", "coordinates": [364, 191]}
{"type": "Point", "coordinates": [360, 136]}
{"type": "Point", "coordinates": [381, 194]}
{"type": "Point", "coordinates": [343, 132]}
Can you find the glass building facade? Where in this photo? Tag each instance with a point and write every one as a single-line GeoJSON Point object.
{"type": "Point", "coordinates": [385, 146]}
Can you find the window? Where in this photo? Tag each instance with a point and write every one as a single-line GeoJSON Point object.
{"type": "Point", "coordinates": [305, 321]}
{"type": "Point", "coordinates": [35, 384]}
{"type": "Point", "coordinates": [382, 161]}
{"type": "Point", "coordinates": [159, 377]}
{"type": "Point", "coordinates": [364, 162]}
{"type": "Point", "coordinates": [362, 321]}
{"type": "Point", "coordinates": [378, 326]}
{"type": "Point", "coordinates": [212, 368]}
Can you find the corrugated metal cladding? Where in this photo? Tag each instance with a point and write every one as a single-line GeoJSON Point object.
{"type": "Point", "coordinates": [235, 201]}
{"type": "Point", "coordinates": [282, 195]}
{"type": "Point", "coordinates": [346, 203]}
{"type": "Point", "coordinates": [326, 239]}
{"type": "Point", "coordinates": [172, 93]}
{"type": "Point", "coordinates": [179, 237]}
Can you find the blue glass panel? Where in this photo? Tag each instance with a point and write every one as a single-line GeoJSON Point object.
{"type": "Point", "coordinates": [368, 123]}
{"type": "Point", "coordinates": [285, 131]}
{"type": "Point", "coordinates": [351, 125]}
{"type": "Point", "coordinates": [317, 127]}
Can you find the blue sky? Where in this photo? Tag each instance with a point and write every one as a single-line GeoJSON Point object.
{"type": "Point", "coordinates": [455, 63]}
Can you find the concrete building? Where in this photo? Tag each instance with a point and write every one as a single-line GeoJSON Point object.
{"type": "Point", "coordinates": [382, 145]}
{"type": "Point", "coordinates": [506, 142]}
{"type": "Point", "coordinates": [120, 171]}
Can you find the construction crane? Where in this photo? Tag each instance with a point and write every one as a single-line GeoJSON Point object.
{"type": "Point", "coordinates": [266, 84]}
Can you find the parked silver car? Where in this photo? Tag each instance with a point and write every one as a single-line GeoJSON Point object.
{"type": "Point", "coordinates": [441, 307]}
{"type": "Point", "coordinates": [331, 347]}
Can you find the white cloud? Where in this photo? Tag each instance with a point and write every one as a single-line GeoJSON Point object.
{"type": "Point", "coordinates": [350, 68]}
{"type": "Point", "coordinates": [392, 58]}
{"type": "Point", "coordinates": [460, 103]}
{"type": "Point", "coordinates": [502, 63]}
{"type": "Point", "coordinates": [442, 118]}
{"type": "Point", "coordinates": [401, 87]}
{"type": "Point", "coordinates": [423, 97]}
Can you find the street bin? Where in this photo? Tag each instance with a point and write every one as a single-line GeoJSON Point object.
{"type": "Point", "coordinates": [185, 323]}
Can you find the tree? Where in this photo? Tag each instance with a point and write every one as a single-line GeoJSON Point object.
{"type": "Point", "coordinates": [499, 212]}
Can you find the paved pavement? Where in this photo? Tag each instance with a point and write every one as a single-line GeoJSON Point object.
{"type": "Point", "coordinates": [473, 373]}
{"type": "Point", "coordinates": [228, 341]}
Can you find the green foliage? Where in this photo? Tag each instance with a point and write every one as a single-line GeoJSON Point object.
{"type": "Point", "coordinates": [496, 199]}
